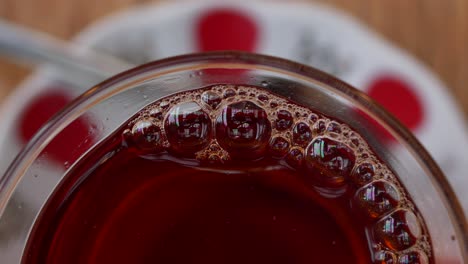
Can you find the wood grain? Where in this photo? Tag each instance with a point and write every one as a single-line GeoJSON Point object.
{"type": "Point", "coordinates": [435, 32]}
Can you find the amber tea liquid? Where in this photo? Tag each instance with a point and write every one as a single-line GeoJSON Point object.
{"type": "Point", "coordinates": [230, 174]}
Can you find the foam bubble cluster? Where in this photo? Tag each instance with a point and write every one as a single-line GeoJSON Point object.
{"type": "Point", "coordinates": [229, 123]}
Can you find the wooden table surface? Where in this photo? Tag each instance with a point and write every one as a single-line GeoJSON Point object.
{"type": "Point", "coordinates": [435, 32]}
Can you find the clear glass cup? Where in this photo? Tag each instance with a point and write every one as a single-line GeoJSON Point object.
{"type": "Point", "coordinates": [35, 172]}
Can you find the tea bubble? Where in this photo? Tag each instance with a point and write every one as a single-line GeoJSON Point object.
{"type": "Point", "coordinates": [385, 257]}
{"type": "Point", "coordinates": [211, 99]}
{"type": "Point", "coordinates": [376, 199]}
{"type": "Point", "coordinates": [363, 173]}
{"type": "Point", "coordinates": [329, 161]}
{"type": "Point", "coordinates": [295, 157]}
{"type": "Point", "coordinates": [243, 130]}
{"type": "Point", "coordinates": [320, 127]}
{"type": "Point", "coordinates": [413, 257]}
{"type": "Point", "coordinates": [399, 230]}
{"type": "Point", "coordinates": [188, 128]}
{"type": "Point", "coordinates": [145, 135]}
{"type": "Point", "coordinates": [229, 93]}
{"type": "Point", "coordinates": [284, 120]}
{"type": "Point", "coordinates": [334, 127]}
{"type": "Point", "coordinates": [279, 147]}
{"type": "Point", "coordinates": [302, 134]}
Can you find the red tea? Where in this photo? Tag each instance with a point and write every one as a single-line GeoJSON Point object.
{"type": "Point", "coordinates": [230, 174]}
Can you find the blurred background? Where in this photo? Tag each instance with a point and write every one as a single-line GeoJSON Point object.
{"type": "Point", "coordinates": [435, 32]}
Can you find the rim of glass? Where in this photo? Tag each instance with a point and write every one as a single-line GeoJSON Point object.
{"type": "Point", "coordinates": [33, 148]}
